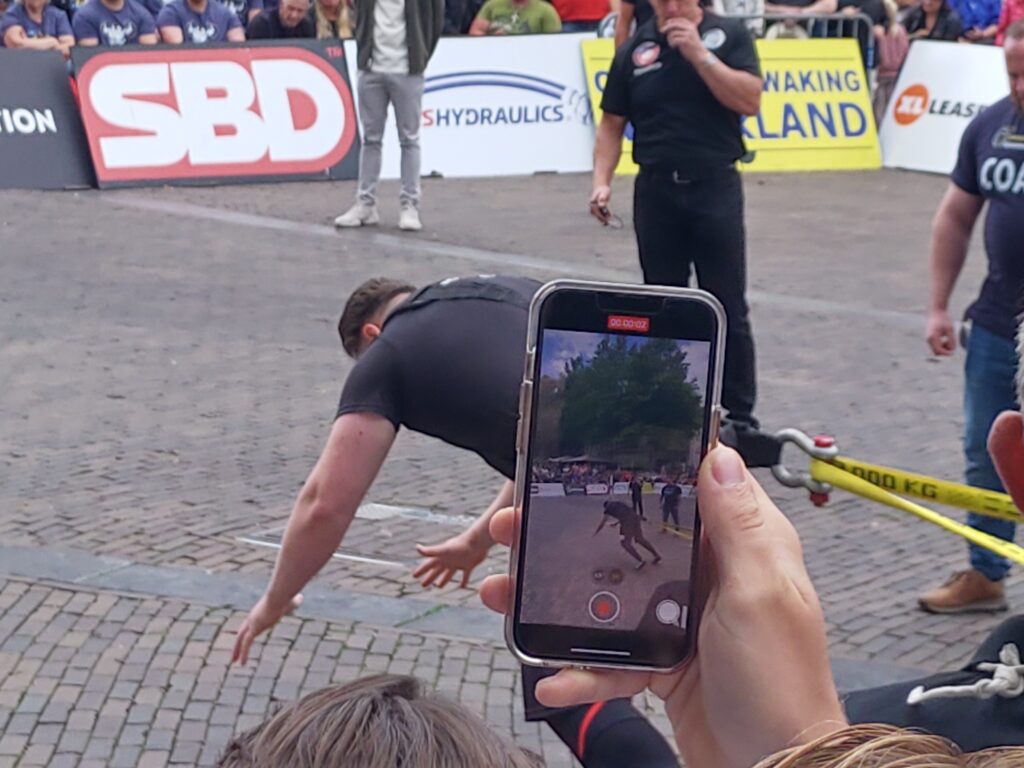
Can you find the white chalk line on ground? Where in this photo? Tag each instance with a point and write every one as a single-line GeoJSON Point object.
{"type": "Point", "coordinates": [420, 246]}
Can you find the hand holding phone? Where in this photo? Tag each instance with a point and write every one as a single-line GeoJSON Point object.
{"type": "Point", "coordinates": [760, 680]}
{"type": "Point", "coordinates": [619, 404]}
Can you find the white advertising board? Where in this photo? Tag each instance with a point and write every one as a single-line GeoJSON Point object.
{"type": "Point", "coordinates": [547, 489]}
{"type": "Point", "coordinates": [941, 87]}
{"type": "Point", "coordinates": [496, 106]}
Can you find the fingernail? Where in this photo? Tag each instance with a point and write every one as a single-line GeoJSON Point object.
{"type": "Point", "coordinates": [727, 468]}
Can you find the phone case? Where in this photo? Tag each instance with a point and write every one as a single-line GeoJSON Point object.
{"type": "Point", "coordinates": [524, 428]}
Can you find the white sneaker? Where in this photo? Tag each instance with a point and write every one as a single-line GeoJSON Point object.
{"type": "Point", "coordinates": [359, 215]}
{"type": "Point", "coordinates": [409, 219]}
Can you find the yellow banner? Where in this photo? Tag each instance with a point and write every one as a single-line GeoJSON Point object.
{"type": "Point", "coordinates": [815, 109]}
{"type": "Point", "coordinates": [597, 60]}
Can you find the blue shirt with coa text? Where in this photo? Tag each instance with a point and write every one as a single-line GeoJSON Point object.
{"type": "Point", "coordinates": [991, 166]}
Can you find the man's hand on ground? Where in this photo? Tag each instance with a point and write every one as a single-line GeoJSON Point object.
{"type": "Point", "coordinates": [443, 561]}
{"type": "Point", "coordinates": [261, 618]}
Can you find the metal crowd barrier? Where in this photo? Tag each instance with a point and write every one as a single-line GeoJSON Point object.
{"type": "Point", "coordinates": [858, 26]}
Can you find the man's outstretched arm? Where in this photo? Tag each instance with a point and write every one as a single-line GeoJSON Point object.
{"type": "Point", "coordinates": [355, 450]}
{"type": "Point", "coordinates": [462, 552]}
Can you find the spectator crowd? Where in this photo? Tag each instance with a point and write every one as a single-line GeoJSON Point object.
{"type": "Point", "coordinates": [61, 24]}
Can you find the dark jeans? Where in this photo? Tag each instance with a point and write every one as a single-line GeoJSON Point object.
{"type": "Point", "coordinates": [638, 505]}
{"type": "Point", "coordinates": [699, 221]}
{"type": "Point", "coordinates": [988, 391]}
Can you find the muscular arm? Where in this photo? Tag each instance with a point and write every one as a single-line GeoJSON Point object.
{"type": "Point", "coordinates": [735, 89]}
{"type": "Point", "coordinates": [15, 37]}
{"type": "Point", "coordinates": [820, 6]}
{"type": "Point", "coordinates": [355, 450]}
{"type": "Point", "coordinates": [172, 35]}
{"type": "Point", "coordinates": [951, 234]}
{"type": "Point", "coordinates": [607, 148]}
{"type": "Point", "coordinates": [480, 530]}
{"type": "Point", "coordinates": [627, 12]}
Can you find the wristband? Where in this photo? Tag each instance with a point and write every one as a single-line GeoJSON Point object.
{"type": "Point", "coordinates": [708, 60]}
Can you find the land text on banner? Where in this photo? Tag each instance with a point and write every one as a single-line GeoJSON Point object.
{"type": "Point", "coordinates": [278, 111]}
{"type": "Point", "coordinates": [42, 145]}
{"type": "Point", "coordinates": [941, 87]}
{"type": "Point", "coordinates": [815, 108]}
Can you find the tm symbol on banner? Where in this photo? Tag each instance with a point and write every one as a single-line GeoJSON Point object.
{"type": "Point", "coordinates": [334, 51]}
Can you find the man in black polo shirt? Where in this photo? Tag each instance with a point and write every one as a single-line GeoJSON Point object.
{"type": "Point", "coordinates": [683, 81]}
{"type": "Point", "coordinates": [446, 361]}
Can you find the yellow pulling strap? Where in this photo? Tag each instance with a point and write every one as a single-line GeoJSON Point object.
{"type": "Point", "coordinates": [839, 477]}
{"type": "Point", "coordinates": [980, 500]}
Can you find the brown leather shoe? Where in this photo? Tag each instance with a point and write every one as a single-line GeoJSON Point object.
{"type": "Point", "coordinates": [965, 592]}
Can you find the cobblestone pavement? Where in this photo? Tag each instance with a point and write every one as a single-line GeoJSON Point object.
{"type": "Point", "coordinates": [107, 679]}
{"type": "Point", "coordinates": [169, 369]}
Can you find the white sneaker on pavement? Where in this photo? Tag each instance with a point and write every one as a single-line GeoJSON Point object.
{"type": "Point", "coordinates": [409, 218]}
{"type": "Point", "coordinates": [359, 215]}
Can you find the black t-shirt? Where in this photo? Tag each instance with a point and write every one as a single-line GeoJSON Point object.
{"type": "Point", "coordinates": [670, 495]}
{"type": "Point", "coordinates": [643, 11]}
{"type": "Point", "coordinates": [991, 165]}
{"type": "Point", "coordinates": [449, 363]}
{"type": "Point", "coordinates": [678, 122]}
{"type": "Point", "coordinates": [629, 523]}
{"type": "Point", "coordinates": [268, 26]}
{"type": "Point", "coordinates": [947, 25]}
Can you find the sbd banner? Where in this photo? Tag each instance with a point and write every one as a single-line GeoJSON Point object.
{"type": "Point", "coordinates": [270, 112]}
{"type": "Point", "coordinates": [941, 87]}
{"type": "Point", "coordinates": [815, 108]}
{"type": "Point", "coordinates": [42, 145]}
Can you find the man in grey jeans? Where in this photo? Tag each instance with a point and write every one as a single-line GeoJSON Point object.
{"type": "Point", "coordinates": [394, 41]}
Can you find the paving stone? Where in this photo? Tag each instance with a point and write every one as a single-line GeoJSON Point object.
{"type": "Point", "coordinates": [139, 366]}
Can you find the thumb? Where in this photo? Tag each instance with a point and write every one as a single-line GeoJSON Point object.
{"type": "Point", "coordinates": [731, 511]}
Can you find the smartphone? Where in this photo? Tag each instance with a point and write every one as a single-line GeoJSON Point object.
{"type": "Point", "coordinates": [619, 404]}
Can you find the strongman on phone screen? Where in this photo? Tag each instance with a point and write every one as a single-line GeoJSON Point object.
{"type": "Point", "coordinates": [630, 530]}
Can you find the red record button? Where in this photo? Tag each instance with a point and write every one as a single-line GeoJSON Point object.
{"type": "Point", "coordinates": [604, 607]}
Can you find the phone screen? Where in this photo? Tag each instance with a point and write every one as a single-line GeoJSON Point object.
{"type": "Point", "coordinates": [618, 429]}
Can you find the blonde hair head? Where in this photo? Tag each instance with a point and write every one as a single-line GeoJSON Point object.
{"type": "Point", "coordinates": [376, 722]}
{"type": "Point", "coordinates": [886, 746]}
